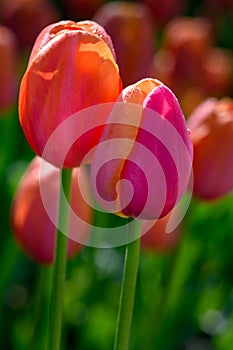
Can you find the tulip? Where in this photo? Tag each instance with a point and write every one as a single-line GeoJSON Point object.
{"type": "Point", "coordinates": [211, 125]}
{"type": "Point", "coordinates": [71, 67]}
{"type": "Point", "coordinates": [146, 144]}
{"type": "Point", "coordinates": [32, 227]}
{"type": "Point", "coordinates": [158, 239]}
{"type": "Point", "coordinates": [8, 68]}
{"type": "Point", "coordinates": [163, 67]}
{"type": "Point", "coordinates": [188, 39]}
{"type": "Point", "coordinates": [217, 72]}
{"type": "Point", "coordinates": [27, 18]}
{"type": "Point", "coordinates": [131, 29]}
{"type": "Point", "coordinates": [164, 10]}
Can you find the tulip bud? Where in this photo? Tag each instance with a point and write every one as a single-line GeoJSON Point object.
{"type": "Point", "coordinates": [163, 67]}
{"type": "Point", "coordinates": [71, 67]}
{"type": "Point", "coordinates": [131, 29]}
{"type": "Point", "coordinates": [8, 68]}
{"type": "Point", "coordinates": [27, 18]}
{"type": "Point", "coordinates": [164, 10]}
{"type": "Point", "coordinates": [211, 126]}
{"type": "Point", "coordinates": [188, 39]}
{"type": "Point", "coordinates": [32, 227]}
{"type": "Point", "coordinates": [158, 239]}
{"type": "Point", "coordinates": [217, 72]}
{"type": "Point", "coordinates": [142, 164]}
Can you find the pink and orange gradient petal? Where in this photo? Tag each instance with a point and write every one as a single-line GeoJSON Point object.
{"type": "Point", "coordinates": [149, 147]}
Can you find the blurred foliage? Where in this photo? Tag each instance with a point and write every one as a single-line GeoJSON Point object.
{"type": "Point", "coordinates": [184, 299]}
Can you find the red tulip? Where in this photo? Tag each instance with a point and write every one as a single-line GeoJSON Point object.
{"type": "Point", "coordinates": [131, 29]}
{"type": "Point", "coordinates": [163, 67]}
{"type": "Point", "coordinates": [164, 10]}
{"type": "Point", "coordinates": [27, 18]}
{"type": "Point", "coordinates": [71, 67]}
{"type": "Point", "coordinates": [145, 144]}
{"type": "Point", "coordinates": [8, 68]}
{"type": "Point", "coordinates": [211, 125]}
{"type": "Point", "coordinates": [188, 39]}
{"type": "Point", "coordinates": [158, 239]}
{"type": "Point", "coordinates": [182, 63]}
{"type": "Point", "coordinates": [217, 72]}
{"type": "Point", "coordinates": [32, 227]}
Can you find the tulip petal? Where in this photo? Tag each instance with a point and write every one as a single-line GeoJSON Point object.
{"type": "Point", "coordinates": [55, 85]}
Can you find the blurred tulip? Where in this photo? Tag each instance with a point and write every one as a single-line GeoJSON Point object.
{"type": "Point", "coordinates": [8, 68]}
{"type": "Point", "coordinates": [71, 67]}
{"type": "Point", "coordinates": [27, 18]}
{"type": "Point", "coordinates": [217, 72]}
{"type": "Point", "coordinates": [188, 39]}
{"type": "Point", "coordinates": [163, 66]}
{"type": "Point", "coordinates": [164, 10]}
{"type": "Point", "coordinates": [32, 227]}
{"type": "Point", "coordinates": [158, 239]}
{"type": "Point", "coordinates": [81, 9]}
{"type": "Point", "coordinates": [211, 125]}
{"type": "Point", "coordinates": [131, 29]}
{"type": "Point", "coordinates": [190, 65]}
{"type": "Point", "coordinates": [149, 153]}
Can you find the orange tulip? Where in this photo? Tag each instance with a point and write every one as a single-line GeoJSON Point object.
{"type": "Point", "coordinates": [8, 68]}
{"type": "Point", "coordinates": [211, 125]}
{"type": "Point", "coordinates": [131, 29]}
{"type": "Point", "coordinates": [71, 67]}
{"type": "Point", "coordinates": [32, 227]}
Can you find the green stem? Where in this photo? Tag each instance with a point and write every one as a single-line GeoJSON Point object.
{"type": "Point", "coordinates": [39, 318]}
{"type": "Point", "coordinates": [59, 269]}
{"type": "Point", "coordinates": [128, 290]}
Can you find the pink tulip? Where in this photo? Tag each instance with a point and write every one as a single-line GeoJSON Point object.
{"type": "Point", "coordinates": [32, 227]}
{"type": "Point", "coordinates": [131, 29]}
{"type": "Point", "coordinates": [8, 68]}
{"type": "Point", "coordinates": [142, 164]}
{"type": "Point", "coordinates": [211, 125]}
{"type": "Point", "coordinates": [72, 66]}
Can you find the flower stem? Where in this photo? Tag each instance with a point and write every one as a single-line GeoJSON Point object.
{"type": "Point", "coordinates": [128, 290]}
{"type": "Point", "coordinates": [59, 269]}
